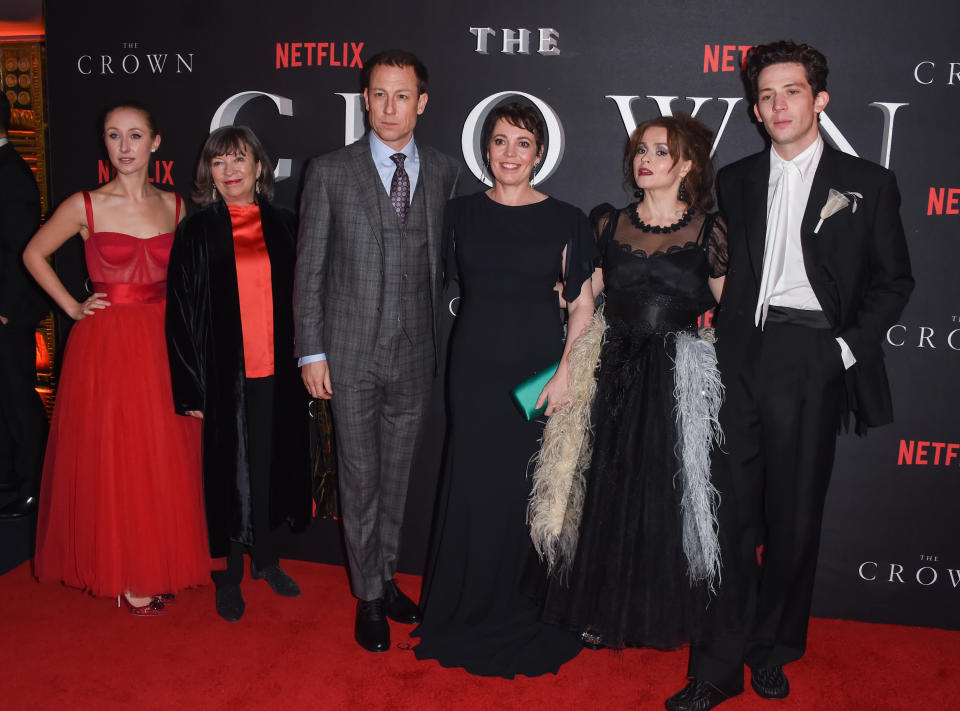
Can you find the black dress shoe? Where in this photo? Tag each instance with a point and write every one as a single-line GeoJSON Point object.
{"type": "Point", "coordinates": [281, 583]}
{"type": "Point", "coordinates": [371, 629]}
{"type": "Point", "coordinates": [20, 508]}
{"type": "Point", "coordinates": [398, 607]}
{"type": "Point", "coordinates": [698, 695]}
{"type": "Point", "coordinates": [230, 604]}
{"type": "Point", "coordinates": [770, 682]}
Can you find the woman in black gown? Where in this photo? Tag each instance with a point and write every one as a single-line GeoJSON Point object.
{"type": "Point", "coordinates": [510, 243]}
{"type": "Point", "coordinates": [647, 556]}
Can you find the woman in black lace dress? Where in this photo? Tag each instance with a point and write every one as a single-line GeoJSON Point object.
{"type": "Point", "coordinates": [647, 554]}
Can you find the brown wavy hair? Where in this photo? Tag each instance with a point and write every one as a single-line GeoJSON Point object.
{"type": "Point", "coordinates": [231, 140]}
{"type": "Point", "coordinates": [687, 139]}
{"type": "Point", "coordinates": [764, 55]}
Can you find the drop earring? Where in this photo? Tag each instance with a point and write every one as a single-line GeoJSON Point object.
{"type": "Point", "coordinates": [638, 194]}
{"type": "Point", "coordinates": [682, 192]}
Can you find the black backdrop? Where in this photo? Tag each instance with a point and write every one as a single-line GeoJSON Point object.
{"type": "Point", "coordinates": [890, 548]}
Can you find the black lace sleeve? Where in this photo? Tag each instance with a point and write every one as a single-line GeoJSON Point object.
{"type": "Point", "coordinates": [603, 222]}
{"type": "Point", "coordinates": [715, 242]}
{"type": "Point", "coordinates": [581, 257]}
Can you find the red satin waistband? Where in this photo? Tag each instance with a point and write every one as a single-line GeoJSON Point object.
{"type": "Point", "coordinates": [132, 293]}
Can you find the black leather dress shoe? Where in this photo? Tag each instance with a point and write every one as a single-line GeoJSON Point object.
{"type": "Point", "coordinates": [698, 695]}
{"type": "Point", "coordinates": [371, 629]}
{"type": "Point", "coordinates": [20, 508]}
{"type": "Point", "coordinates": [281, 583]}
{"type": "Point", "coordinates": [398, 607]}
{"type": "Point", "coordinates": [230, 604]}
{"type": "Point", "coordinates": [770, 682]}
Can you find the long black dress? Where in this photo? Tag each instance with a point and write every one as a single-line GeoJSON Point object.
{"type": "Point", "coordinates": [508, 327]}
{"type": "Point", "coordinates": [628, 584]}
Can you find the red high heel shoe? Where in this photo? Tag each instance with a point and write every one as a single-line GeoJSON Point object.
{"type": "Point", "coordinates": [154, 608]}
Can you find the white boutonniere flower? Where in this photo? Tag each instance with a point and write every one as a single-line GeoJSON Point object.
{"type": "Point", "coordinates": [836, 201]}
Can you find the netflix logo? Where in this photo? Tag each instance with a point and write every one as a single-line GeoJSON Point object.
{"type": "Point", "coordinates": [923, 453]}
{"type": "Point", "coordinates": [319, 54]}
{"type": "Point", "coordinates": [943, 201]}
{"type": "Point", "coordinates": [161, 172]}
{"type": "Point", "coordinates": [725, 57]}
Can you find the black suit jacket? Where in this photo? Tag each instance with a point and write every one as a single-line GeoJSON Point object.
{"type": "Point", "coordinates": [857, 264]}
{"type": "Point", "coordinates": [21, 300]}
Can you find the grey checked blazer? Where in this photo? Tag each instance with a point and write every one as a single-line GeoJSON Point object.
{"type": "Point", "coordinates": [338, 291]}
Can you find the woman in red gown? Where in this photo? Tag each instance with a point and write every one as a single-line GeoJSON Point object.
{"type": "Point", "coordinates": [121, 508]}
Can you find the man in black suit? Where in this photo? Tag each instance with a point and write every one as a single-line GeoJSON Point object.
{"type": "Point", "coordinates": [818, 272]}
{"type": "Point", "coordinates": [23, 421]}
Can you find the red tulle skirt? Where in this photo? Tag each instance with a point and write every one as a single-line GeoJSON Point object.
{"type": "Point", "coordinates": [121, 504]}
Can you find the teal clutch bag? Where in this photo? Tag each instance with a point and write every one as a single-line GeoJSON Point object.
{"type": "Point", "coordinates": [527, 392]}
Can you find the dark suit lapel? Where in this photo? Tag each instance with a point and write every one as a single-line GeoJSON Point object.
{"type": "Point", "coordinates": [824, 179]}
{"type": "Point", "coordinates": [755, 209]}
{"type": "Point", "coordinates": [368, 182]}
{"type": "Point", "coordinates": [432, 186]}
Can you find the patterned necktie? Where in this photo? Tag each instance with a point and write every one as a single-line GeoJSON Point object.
{"type": "Point", "coordinates": [400, 188]}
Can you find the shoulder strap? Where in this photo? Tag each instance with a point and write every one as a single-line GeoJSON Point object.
{"type": "Point", "coordinates": [176, 219]}
{"type": "Point", "coordinates": [89, 207]}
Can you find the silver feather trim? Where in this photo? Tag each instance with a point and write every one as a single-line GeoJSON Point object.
{"type": "Point", "coordinates": [559, 487]}
{"type": "Point", "coordinates": [698, 392]}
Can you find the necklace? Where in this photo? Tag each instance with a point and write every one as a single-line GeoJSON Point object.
{"type": "Point", "coordinates": [656, 229]}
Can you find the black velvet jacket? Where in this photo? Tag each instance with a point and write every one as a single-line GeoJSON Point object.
{"type": "Point", "coordinates": [205, 347]}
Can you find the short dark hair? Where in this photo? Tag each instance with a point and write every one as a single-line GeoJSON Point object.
{"type": "Point", "coordinates": [687, 139]}
{"type": "Point", "coordinates": [762, 56]}
{"type": "Point", "coordinates": [523, 116]}
{"type": "Point", "coordinates": [231, 140]}
{"type": "Point", "coordinates": [135, 106]}
{"type": "Point", "coordinates": [395, 58]}
{"type": "Point", "coordinates": [4, 113]}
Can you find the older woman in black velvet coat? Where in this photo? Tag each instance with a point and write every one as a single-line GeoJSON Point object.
{"type": "Point", "coordinates": [230, 341]}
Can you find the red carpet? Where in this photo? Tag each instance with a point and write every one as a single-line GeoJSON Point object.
{"type": "Point", "coordinates": [62, 649]}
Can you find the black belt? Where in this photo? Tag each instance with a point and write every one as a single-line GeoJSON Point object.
{"type": "Point", "coordinates": [658, 315]}
{"type": "Point", "coordinates": [797, 317]}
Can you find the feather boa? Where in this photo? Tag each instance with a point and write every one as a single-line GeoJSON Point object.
{"type": "Point", "coordinates": [698, 393]}
{"type": "Point", "coordinates": [556, 502]}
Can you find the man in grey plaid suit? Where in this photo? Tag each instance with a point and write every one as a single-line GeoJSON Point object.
{"type": "Point", "coordinates": [366, 303]}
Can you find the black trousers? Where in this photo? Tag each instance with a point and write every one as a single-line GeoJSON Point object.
{"type": "Point", "coordinates": [23, 419]}
{"type": "Point", "coordinates": [260, 450]}
{"type": "Point", "coordinates": [781, 419]}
